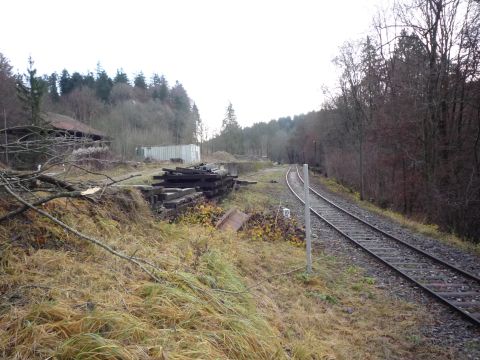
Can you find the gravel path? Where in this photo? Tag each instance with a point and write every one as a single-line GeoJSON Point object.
{"type": "Point", "coordinates": [448, 328]}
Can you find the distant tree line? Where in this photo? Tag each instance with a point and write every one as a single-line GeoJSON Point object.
{"type": "Point", "coordinates": [403, 126]}
{"type": "Point", "coordinates": [260, 140]}
{"type": "Point", "coordinates": [133, 112]}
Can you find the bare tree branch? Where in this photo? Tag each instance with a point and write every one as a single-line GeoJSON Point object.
{"type": "Point", "coordinates": [90, 239]}
{"type": "Point", "coordinates": [69, 194]}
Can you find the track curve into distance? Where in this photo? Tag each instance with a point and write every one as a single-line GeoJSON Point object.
{"type": "Point", "coordinates": [457, 288]}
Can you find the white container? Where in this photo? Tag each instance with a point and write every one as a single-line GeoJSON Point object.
{"type": "Point", "coordinates": [286, 213]}
{"type": "Point", "coordinates": [188, 153]}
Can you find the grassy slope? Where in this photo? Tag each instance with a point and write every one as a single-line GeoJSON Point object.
{"type": "Point", "coordinates": [65, 299]}
{"type": "Point", "coordinates": [338, 313]}
{"type": "Point", "coordinates": [431, 230]}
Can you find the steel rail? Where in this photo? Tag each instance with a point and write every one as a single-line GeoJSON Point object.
{"type": "Point", "coordinates": [431, 292]}
{"type": "Point", "coordinates": [413, 247]}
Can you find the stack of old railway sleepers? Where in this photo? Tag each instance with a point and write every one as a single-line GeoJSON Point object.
{"type": "Point", "coordinates": [208, 178]}
{"type": "Point", "coordinates": [168, 202]}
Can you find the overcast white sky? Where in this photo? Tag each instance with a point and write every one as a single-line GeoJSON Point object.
{"type": "Point", "coordinates": [269, 58]}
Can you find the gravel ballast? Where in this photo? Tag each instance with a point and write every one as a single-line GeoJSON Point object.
{"type": "Point", "coordinates": [447, 328]}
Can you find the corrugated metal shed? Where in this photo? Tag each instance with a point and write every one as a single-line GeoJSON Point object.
{"type": "Point", "coordinates": [188, 153]}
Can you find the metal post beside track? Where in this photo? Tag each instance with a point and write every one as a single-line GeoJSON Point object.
{"type": "Point", "coordinates": [451, 298]}
{"type": "Point", "coordinates": [308, 231]}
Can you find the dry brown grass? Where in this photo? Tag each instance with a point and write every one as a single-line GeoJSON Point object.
{"type": "Point", "coordinates": [336, 313]}
{"type": "Point", "coordinates": [75, 301]}
{"type": "Point", "coordinates": [61, 298]}
{"type": "Point", "coordinates": [417, 225]}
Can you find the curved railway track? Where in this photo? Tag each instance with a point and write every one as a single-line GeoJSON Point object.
{"type": "Point", "coordinates": [457, 288]}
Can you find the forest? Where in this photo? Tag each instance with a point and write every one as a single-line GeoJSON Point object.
{"type": "Point", "coordinates": [132, 112]}
{"type": "Point", "coordinates": [403, 125]}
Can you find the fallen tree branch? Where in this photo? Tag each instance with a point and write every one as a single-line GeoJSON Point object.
{"type": "Point", "coordinates": [83, 236]}
{"type": "Point", "coordinates": [116, 181]}
{"type": "Point", "coordinates": [57, 182]}
{"type": "Point", "coordinates": [92, 172]}
{"type": "Point", "coordinates": [67, 194]}
{"type": "Point", "coordinates": [38, 175]}
{"type": "Point", "coordinates": [124, 179]}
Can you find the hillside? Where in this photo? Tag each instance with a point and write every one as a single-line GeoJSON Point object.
{"type": "Point", "coordinates": [132, 112]}
{"type": "Point", "coordinates": [219, 295]}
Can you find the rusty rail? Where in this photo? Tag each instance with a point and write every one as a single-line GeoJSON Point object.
{"type": "Point", "coordinates": [377, 236]}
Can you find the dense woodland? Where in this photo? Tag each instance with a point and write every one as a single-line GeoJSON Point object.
{"type": "Point", "coordinates": [403, 126]}
{"type": "Point", "coordinates": [133, 112]}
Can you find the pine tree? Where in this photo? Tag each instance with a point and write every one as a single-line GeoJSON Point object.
{"type": "Point", "coordinates": [199, 130]}
{"type": "Point", "coordinates": [31, 94]}
{"type": "Point", "coordinates": [160, 87]}
{"type": "Point", "coordinates": [76, 80]}
{"type": "Point", "coordinates": [156, 80]}
{"type": "Point", "coordinates": [52, 87]}
{"type": "Point", "coordinates": [179, 97]}
{"type": "Point", "coordinates": [66, 85]}
{"type": "Point", "coordinates": [139, 81]}
{"type": "Point", "coordinates": [103, 84]}
{"type": "Point", "coordinates": [231, 131]}
{"type": "Point", "coordinates": [121, 77]}
{"type": "Point", "coordinates": [183, 126]}
{"type": "Point", "coordinates": [163, 89]}
{"type": "Point", "coordinates": [230, 119]}
{"type": "Point", "coordinates": [89, 80]}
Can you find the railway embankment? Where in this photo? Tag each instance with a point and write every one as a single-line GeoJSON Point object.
{"type": "Point", "coordinates": [214, 294]}
{"type": "Point", "coordinates": [391, 256]}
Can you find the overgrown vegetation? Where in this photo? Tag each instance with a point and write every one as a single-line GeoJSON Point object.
{"type": "Point", "coordinates": [416, 225]}
{"type": "Point", "coordinates": [403, 125]}
{"type": "Point", "coordinates": [206, 214]}
{"type": "Point", "coordinates": [220, 295]}
{"type": "Point", "coordinates": [72, 301]}
{"type": "Point", "coordinates": [269, 225]}
{"type": "Point", "coordinates": [272, 226]}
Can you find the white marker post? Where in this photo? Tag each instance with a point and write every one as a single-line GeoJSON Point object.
{"type": "Point", "coordinates": [308, 230]}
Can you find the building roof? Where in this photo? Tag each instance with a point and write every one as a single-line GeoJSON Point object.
{"type": "Point", "coordinates": [67, 123]}
{"type": "Point", "coordinates": [59, 123]}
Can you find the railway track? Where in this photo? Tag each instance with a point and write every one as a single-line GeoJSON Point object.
{"type": "Point", "coordinates": [457, 288]}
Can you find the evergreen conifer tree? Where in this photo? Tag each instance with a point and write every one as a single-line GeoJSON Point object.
{"type": "Point", "coordinates": [30, 93]}
{"type": "Point", "coordinates": [139, 81]}
{"type": "Point", "coordinates": [103, 84]}
{"type": "Point", "coordinates": [66, 85]}
{"type": "Point", "coordinates": [121, 77]}
{"type": "Point", "coordinates": [52, 87]}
